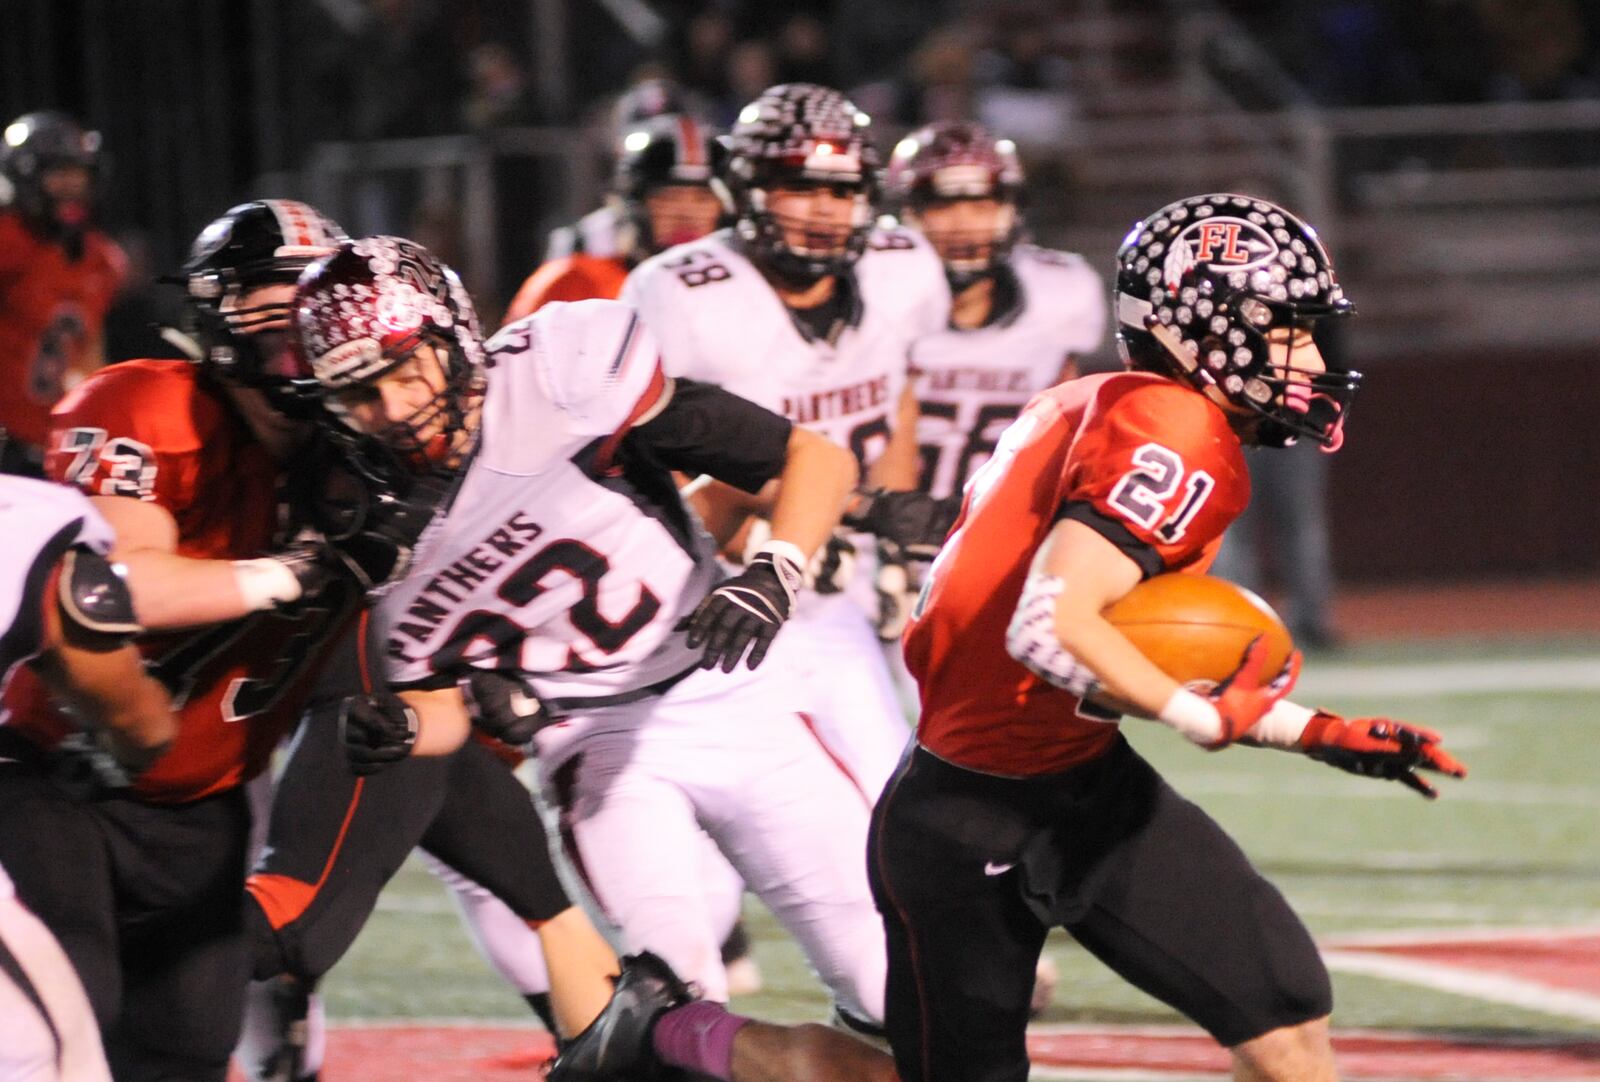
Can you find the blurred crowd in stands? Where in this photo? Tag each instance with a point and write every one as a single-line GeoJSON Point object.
{"type": "Point", "coordinates": [387, 68]}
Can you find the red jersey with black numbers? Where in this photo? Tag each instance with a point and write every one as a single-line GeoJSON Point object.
{"type": "Point", "coordinates": [51, 312]}
{"type": "Point", "coordinates": [1151, 465]}
{"type": "Point", "coordinates": [154, 430]}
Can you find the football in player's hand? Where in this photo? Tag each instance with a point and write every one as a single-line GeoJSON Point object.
{"type": "Point", "coordinates": [1195, 627]}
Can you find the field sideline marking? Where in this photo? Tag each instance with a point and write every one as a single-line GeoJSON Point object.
{"type": "Point", "coordinates": [1512, 991]}
{"type": "Point", "coordinates": [1453, 677]}
{"type": "Point", "coordinates": [1421, 937]}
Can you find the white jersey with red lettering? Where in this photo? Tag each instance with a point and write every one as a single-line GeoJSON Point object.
{"type": "Point", "coordinates": [720, 321]}
{"type": "Point", "coordinates": [40, 522]}
{"type": "Point", "coordinates": [550, 561]}
{"type": "Point", "coordinates": [971, 384]}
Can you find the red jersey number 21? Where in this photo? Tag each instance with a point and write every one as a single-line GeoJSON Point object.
{"type": "Point", "coordinates": [1142, 494]}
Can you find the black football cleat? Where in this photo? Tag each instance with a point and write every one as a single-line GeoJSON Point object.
{"type": "Point", "coordinates": [616, 1045]}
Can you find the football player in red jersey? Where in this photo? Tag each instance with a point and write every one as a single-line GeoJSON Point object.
{"type": "Point", "coordinates": [143, 885]}
{"type": "Point", "coordinates": [1100, 483]}
{"type": "Point", "coordinates": [58, 275]}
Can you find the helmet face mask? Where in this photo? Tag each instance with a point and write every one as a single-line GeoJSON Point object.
{"type": "Point", "coordinates": [796, 138]}
{"type": "Point", "coordinates": [239, 279]}
{"type": "Point", "coordinates": [942, 167]}
{"type": "Point", "coordinates": [1205, 284]}
{"type": "Point", "coordinates": [362, 317]}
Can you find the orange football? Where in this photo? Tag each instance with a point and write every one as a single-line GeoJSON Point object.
{"type": "Point", "coordinates": [1195, 627]}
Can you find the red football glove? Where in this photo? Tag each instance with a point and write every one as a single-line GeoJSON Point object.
{"type": "Point", "coordinates": [1379, 748]}
{"type": "Point", "coordinates": [1242, 698]}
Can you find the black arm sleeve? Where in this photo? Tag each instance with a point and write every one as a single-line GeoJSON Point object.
{"type": "Point", "coordinates": [705, 429]}
{"type": "Point", "coordinates": [1140, 552]}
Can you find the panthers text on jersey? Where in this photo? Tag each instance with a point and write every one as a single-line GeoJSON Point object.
{"type": "Point", "coordinates": [971, 384]}
{"type": "Point", "coordinates": [153, 430]}
{"type": "Point", "coordinates": [40, 522]}
{"type": "Point", "coordinates": [1151, 465]}
{"type": "Point", "coordinates": [718, 320]}
{"type": "Point", "coordinates": [51, 312]}
{"type": "Point", "coordinates": [555, 558]}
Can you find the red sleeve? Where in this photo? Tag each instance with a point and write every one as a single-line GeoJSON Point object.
{"type": "Point", "coordinates": [1157, 470]}
{"type": "Point", "coordinates": [134, 429]}
{"type": "Point", "coordinates": [571, 278]}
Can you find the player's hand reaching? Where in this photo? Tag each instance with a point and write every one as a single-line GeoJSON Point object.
{"type": "Point", "coordinates": [747, 610]}
{"type": "Point", "coordinates": [377, 729]}
{"type": "Point", "coordinates": [1379, 748]}
{"type": "Point", "coordinates": [1230, 709]}
{"type": "Point", "coordinates": [915, 521]}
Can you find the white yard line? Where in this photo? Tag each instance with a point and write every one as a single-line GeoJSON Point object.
{"type": "Point", "coordinates": [1418, 937]}
{"type": "Point", "coordinates": [1512, 991]}
{"type": "Point", "coordinates": [1455, 677]}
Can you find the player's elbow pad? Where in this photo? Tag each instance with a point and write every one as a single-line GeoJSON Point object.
{"type": "Point", "coordinates": [95, 596]}
{"type": "Point", "coordinates": [1032, 640]}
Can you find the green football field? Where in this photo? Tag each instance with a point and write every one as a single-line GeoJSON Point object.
{"type": "Point", "coordinates": [1515, 846]}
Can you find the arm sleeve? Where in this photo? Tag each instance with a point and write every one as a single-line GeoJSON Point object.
{"type": "Point", "coordinates": [1158, 473]}
{"type": "Point", "coordinates": [705, 429]}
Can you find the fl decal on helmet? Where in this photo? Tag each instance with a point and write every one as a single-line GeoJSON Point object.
{"type": "Point", "coordinates": [253, 246]}
{"type": "Point", "coordinates": [366, 309]}
{"type": "Point", "coordinates": [956, 160]}
{"type": "Point", "coordinates": [801, 136]}
{"type": "Point", "coordinates": [1202, 281]}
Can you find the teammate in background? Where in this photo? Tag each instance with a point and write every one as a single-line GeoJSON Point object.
{"type": "Point", "coordinates": [1020, 316]}
{"type": "Point", "coordinates": [1100, 483]}
{"type": "Point", "coordinates": [599, 233]}
{"type": "Point", "coordinates": [58, 275]}
{"type": "Point", "coordinates": [66, 610]}
{"type": "Point", "coordinates": [808, 310]}
{"type": "Point", "coordinates": [145, 891]}
{"type": "Point", "coordinates": [567, 568]}
{"type": "Point", "coordinates": [660, 196]}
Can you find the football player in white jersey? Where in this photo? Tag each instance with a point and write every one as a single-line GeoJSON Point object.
{"type": "Point", "coordinates": [806, 308]}
{"type": "Point", "coordinates": [565, 568]}
{"type": "Point", "coordinates": [1020, 315]}
{"type": "Point", "coordinates": [65, 608]}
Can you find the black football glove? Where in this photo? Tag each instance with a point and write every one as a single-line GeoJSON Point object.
{"type": "Point", "coordinates": [746, 610]}
{"type": "Point", "coordinates": [311, 563]}
{"type": "Point", "coordinates": [915, 521]}
{"type": "Point", "coordinates": [832, 568]}
{"type": "Point", "coordinates": [377, 729]}
{"type": "Point", "coordinates": [504, 707]}
{"type": "Point", "coordinates": [895, 590]}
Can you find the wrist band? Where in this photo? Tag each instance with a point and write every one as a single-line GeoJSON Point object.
{"type": "Point", "coordinates": [1282, 726]}
{"type": "Point", "coordinates": [265, 583]}
{"type": "Point", "coordinates": [1194, 716]}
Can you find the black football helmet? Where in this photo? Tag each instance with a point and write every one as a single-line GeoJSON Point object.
{"type": "Point", "coordinates": [263, 243]}
{"type": "Point", "coordinates": [662, 151]}
{"type": "Point", "coordinates": [367, 308]}
{"type": "Point", "coordinates": [31, 146]}
{"type": "Point", "coordinates": [1200, 283]}
{"type": "Point", "coordinates": [950, 161]}
{"type": "Point", "coordinates": [800, 135]}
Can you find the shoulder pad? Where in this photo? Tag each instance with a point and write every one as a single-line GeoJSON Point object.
{"type": "Point", "coordinates": [95, 595]}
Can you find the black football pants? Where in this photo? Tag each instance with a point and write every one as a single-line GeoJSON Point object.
{"type": "Point", "coordinates": [145, 901]}
{"type": "Point", "coordinates": [970, 871]}
{"type": "Point", "coordinates": [335, 839]}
